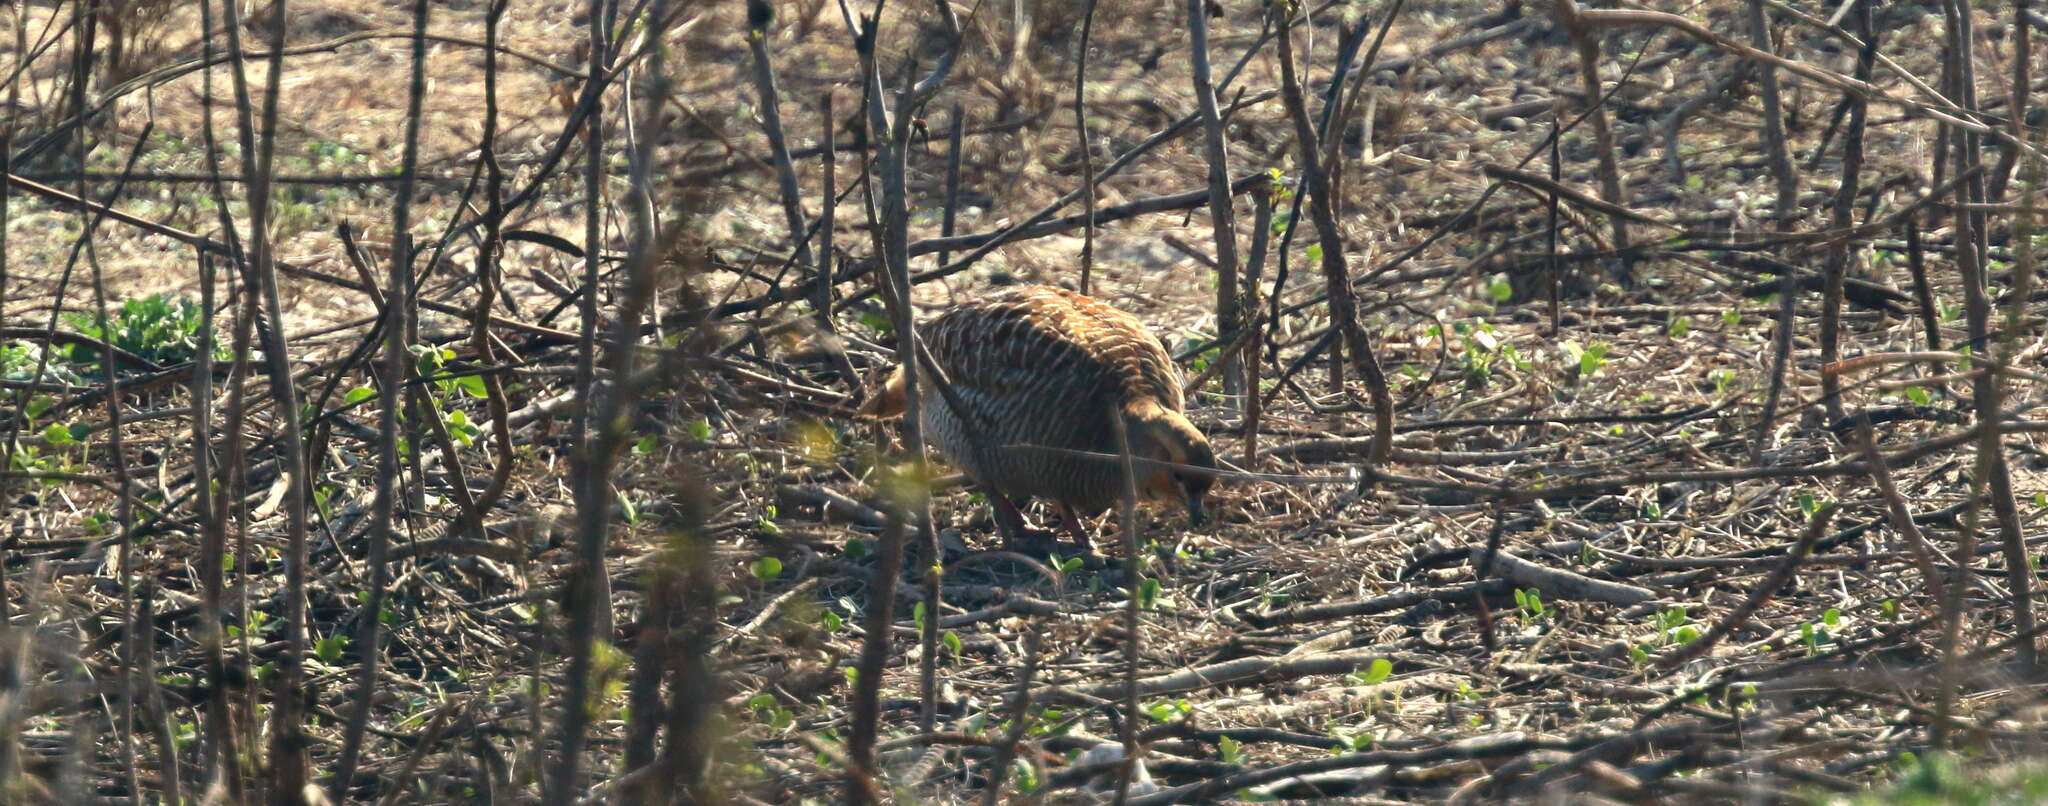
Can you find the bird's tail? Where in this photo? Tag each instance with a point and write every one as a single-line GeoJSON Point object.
{"type": "Point", "coordinates": [887, 400]}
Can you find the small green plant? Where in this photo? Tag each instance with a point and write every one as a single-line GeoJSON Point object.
{"type": "Point", "coordinates": [628, 510]}
{"type": "Point", "coordinates": [1025, 775]}
{"type": "Point", "coordinates": [1530, 602]}
{"type": "Point", "coordinates": [1813, 634]}
{"type": "Point", "coordinates": [1588, 359]}
{"type": "Point", "coordinates": [328, 650]}
{"type": "Point", "coordinates": [1722, 378]}
{"type": "Point", "coordinates": [1165, 711]}
{"type": "Point", "coordinates": [1672, 627]}
{"type": "Point", "coordinates": [155, 328]}
{"type": "Point", "coordinates": [770, 712]}
{"type": "Point", "coordinates": [1229, 750]}
{"type": "Point", "coordinates": [18, 360]}
{"type": "Point", "coordinates": [433, 363]}
{"type": "Point", "coordinates": [1499, 289]}
{"type": "Point", "coordinates": [1202, 360]}
{"type": "Point", "coordinates": [1374, 673]}
{"type": "Point", "coordinates": [1351, 740]}
{"type": "Point", "coordinates": [1148, 593]}
{"type": "Point", "coordinates": [1484, 351]}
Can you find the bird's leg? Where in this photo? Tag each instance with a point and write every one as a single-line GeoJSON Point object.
{"type": "Point", "coordinates": [1018, 534]}
{"type": "Point", "coordinates": [1009, 520]}
{"type": "Point", "coordinates": [1075, 529]}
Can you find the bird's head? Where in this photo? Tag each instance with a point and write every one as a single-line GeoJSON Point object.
{"type": "Point", "coordinates": [1164, 435]}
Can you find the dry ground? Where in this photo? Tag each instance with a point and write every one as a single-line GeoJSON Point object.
{"type": "Point", "coordinates": [1262, 648]}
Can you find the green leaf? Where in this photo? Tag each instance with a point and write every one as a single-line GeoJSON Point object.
{"type": "Point", "coordinates": [1918, 394]}
{"type": "Point", "coordinates": [1500, 290]}
{"type": "Point", "coordinates": [1025, 775]}
{"type": "Point", "coordinates": [1378, 671]}
{"type": "Point", "coordinates": [767, 569]}
{"type": "Point", "coordinates": [358, 395]}
{"type": "Point", "coordinates": [57, 434]}
{"type": "Point", "coordinates": [473, 385]}
{"type": "Point", "coordinates": [328, 649]}
{"type": "Point", "coordinates": [952, 641]}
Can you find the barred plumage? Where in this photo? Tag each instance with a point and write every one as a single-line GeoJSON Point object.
{"type": "Point", "coordinates": [1038, 365]}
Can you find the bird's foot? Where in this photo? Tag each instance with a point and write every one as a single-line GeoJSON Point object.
{"type": "Point", "coordinates": [1047, 544]}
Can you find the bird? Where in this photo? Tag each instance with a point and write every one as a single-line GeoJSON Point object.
{"type": "Point", "coordinates": [1037, 365]}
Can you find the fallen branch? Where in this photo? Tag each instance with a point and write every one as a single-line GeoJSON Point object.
{"type": "Point", "coordinates": [1562, 584]}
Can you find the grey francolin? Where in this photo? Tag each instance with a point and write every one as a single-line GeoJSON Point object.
{"type": "Point", "coordinates": [1038, 365]}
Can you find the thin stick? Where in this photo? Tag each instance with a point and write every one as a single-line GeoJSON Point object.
{"type": "Point", "coordinates": [287, 754]}
{"type": "Point", "coordinates": [610, 428]}
{"type": "Point", "coordinates": [951, 215]}
{"type": "Point", "coordinates": [1783, 210]}
{"type": "Point", "coordinates": [1336, 268]}
{"type": "Point", "coordinates": [391, 377]}
{"type": "Point", "coordinates": [1222, 219]}
{"type": "Point", "coordinates": [892, 143]}
{"type": "Point", "coordinates": [135, 645]}
{"type": "Point", "coordinates": [1844, 207]}
{"type": "Point", "coordinates": [1254, 267]}
{"type": "Point", "coordinates": [1128, 525]}
{"type": "Point", "coordinates": [759, 14]}
{"type": "Point", "coordinates": [1087, 155]}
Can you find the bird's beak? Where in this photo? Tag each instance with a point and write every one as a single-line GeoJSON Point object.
{"type": "Point", "coordinates": [1194, 509]}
